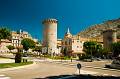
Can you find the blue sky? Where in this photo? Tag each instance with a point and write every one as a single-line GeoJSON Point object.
{"type": "Point", "coordinates": [75, 14]}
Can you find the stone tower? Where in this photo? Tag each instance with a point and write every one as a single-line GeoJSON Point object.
{"type": "Point", "coordinates": [109, 36]}
{"type": "Point", "coordinates": [50, 36]}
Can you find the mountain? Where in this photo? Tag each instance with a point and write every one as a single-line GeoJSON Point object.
{"type": "Point", "coordinates": [96, 30]}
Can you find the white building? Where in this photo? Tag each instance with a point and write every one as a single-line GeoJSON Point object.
{"type": "Point", "coordinates": [17, 37]}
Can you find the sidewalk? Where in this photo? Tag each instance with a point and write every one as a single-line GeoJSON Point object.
{"type": "Point", "coordinates": [4, 60]}
{"type": "Point", "coordinates": [7, 55]}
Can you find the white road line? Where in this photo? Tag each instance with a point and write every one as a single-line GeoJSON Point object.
{"type": "Point", "coordinates": [105, 74]}
{"type": "Point", "coordinates": [85, 72]}
{"type": "Point", "coordinates": [4, 77]}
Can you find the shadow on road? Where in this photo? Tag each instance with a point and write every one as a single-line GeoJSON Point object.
{"type": "Point", "coordinates": [79, 77]}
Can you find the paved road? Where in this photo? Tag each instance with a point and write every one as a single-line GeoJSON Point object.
{"type": "Point", "coordinates": [39, 70]}
{"type": "Point", "coordinates": [48, 68]}
{"type": "Point", "coordinates": [96, 66]}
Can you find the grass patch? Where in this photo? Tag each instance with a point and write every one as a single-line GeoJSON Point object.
{"type": "Point", "coordinates": [10, 65]}
{"type": "Point", "coordinates": [58, 58]}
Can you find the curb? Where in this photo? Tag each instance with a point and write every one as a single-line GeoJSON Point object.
{"type": "Point", "coordinates": [19, 67]}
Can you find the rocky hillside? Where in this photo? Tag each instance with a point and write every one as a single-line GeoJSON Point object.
{"type": "Point", "coordinates": [96, 30]}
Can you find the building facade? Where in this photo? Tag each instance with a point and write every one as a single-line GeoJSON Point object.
{"type": "Point", "coordinates": [18, 36]}
{"type": "Point", "coordinates": [72, 44]}
{"type": "Point", "coordinates": [3, 45]}
{"type": "Point", "coordinates": [50, 36]}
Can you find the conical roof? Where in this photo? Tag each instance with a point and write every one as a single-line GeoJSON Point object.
{"type": "Point", "coordinates": [68, 34]}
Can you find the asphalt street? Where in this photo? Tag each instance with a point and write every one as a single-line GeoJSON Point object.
{"type": "Point", "coordinates": [44, 68]}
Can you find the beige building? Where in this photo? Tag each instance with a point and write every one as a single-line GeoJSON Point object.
{"type": "Point", "coordinates": [15, 41]}
{"type": "Point", "coordinates": [18, 36]}
{"type": "Point", "coordinates": [3, 45]}
{"type": "Point", "coordinates": [73, 44]}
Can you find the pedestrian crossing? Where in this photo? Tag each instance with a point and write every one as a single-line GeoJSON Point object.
{"type": "Point", "coordinates": [85, 72]}
{"type": "Point", "coordinates": [73, 65]}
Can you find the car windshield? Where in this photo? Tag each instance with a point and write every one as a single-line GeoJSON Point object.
{"type": "Point", "coordinates": [59, 39]}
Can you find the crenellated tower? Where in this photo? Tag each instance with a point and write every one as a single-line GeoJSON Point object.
{"type": "Point", "coordinates": [50, 35]}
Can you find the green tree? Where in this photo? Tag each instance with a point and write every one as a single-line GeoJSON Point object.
{"type": "Point", "coordinates": [64, 51]}
{"type": "Point", "coordinates": [5, 33]}
{"type": "Point", "coordinates": [98, 50]}
{"type": "Point", "coordinates": [27, 43]}
{"type": "Point", "coordinates": [89, 47]}
{"type": "Point", "coordinates": [116, 49]}
{"type": "Point", "coordinates": [92, 48]}
{"type": "Point", "coordinates": [10, 47]}
{"type": "Point", "coordinates": [105, 51]}
{"type": "Point", "coordinates": [38, 49]}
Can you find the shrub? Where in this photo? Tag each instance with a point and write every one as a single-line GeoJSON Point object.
{"type": "Point", "coordinates": [84, 57]}
{"type": "Point", "coordinates": [18, 58]}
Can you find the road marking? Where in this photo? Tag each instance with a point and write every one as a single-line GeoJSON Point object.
{"type": "Point", "coordinates": [105, 74]}
{"type": "Point", "coordinates": [73, 64]}
{"type": "Point", "coordinates": [114, 75]}
{"type": "Point", "coordinates": [4, 77]}
{"type": "Point", "coordinates": [85, 72]}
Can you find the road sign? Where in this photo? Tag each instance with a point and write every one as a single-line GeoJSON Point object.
{"type": "Point", "coordinates": [79, 67]}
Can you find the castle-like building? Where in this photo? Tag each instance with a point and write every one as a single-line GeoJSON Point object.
{"type": "Point", "coordinates": [109, 37]}
{"type": "Point", "coordinates": [51, 45]}
{"type": "Point", "coordinates": [50, 36]}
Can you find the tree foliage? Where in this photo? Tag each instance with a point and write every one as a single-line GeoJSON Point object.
{"type": "Point", "coordinates": [92, 48]}
{"type": "Point", "coordinates": [10, 47]}
{"type": "Point", "coordinates": [5, 33]}
{"type": "Point", "coordinates": [105, 51]}
{"type": "Point", "coordinates": [38, 48]}
{"type": "Point", "coordinates": [64, 51]}
{"type": "Point", "coordinates": [116, 49]}
{"type": "Point", "coordinates": [27, 43]}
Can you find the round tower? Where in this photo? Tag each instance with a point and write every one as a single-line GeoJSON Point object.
{"type": "Point", "coordinates": [50, 35]}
